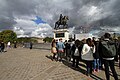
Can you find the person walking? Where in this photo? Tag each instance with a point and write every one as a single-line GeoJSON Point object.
{"type": "Point", "coordinates": [87, 55]}
{"type": "Point", "coordinates": [60, 47]}
{"type": "Point", "coordinates": [108, 51]}
{"type": "Point", "coordinates": [2, 46]}
{"type": "Point", "coordinates": [31, 45]}
{"type": "Point", "coordinates": [9, 45]}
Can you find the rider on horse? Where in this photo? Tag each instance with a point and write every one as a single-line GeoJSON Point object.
{"type": "Point", "coordinates": [62, 21]}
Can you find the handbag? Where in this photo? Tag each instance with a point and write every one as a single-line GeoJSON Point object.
{"type": "Point", "coordinates": [53, 50]}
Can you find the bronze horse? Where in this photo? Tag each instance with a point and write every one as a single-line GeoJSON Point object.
{"type": "Point", "coordinates": [62, 21]}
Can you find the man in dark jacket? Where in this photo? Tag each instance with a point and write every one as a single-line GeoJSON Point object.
{"type": "Point", "coordinates": [108, 61]}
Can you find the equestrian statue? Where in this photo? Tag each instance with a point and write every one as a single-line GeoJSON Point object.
{"type": "Point", "coordinates": [62, 21]}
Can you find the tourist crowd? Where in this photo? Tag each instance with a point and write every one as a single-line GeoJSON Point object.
{"type": "Point", "coordinates": [97, 54]}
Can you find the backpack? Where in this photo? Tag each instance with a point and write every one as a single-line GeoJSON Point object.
{"type": "Point", "coordinates": [108, 49]}
{"type": "Point", "coordinates": [68, 45]}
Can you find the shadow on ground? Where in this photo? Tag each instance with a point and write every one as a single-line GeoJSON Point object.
{"type": "Point", "coordinates": [80, 69]}
{"type": "Point", "coordinates": [49, 57]}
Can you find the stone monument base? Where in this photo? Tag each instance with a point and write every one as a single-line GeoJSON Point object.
{"type": "Point", "coordinates": [61, 33]}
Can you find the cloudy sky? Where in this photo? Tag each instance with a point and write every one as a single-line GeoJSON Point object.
{"type": "Point", "coordinates": [88, 15]}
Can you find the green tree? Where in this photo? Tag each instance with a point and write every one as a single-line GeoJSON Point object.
{"type": "Point", "coordinates": [47, 39]}
{"type": "Point", "coordinates": [8, 35]}
{"type": "Point", "coordinates": [25, 39]}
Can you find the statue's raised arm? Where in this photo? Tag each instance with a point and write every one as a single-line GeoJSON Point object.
{"type": "Point", "coordinates": [61, 16]}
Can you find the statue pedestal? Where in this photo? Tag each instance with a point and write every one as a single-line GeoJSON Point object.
{"type": "Point", "coordinates": [61, 33]}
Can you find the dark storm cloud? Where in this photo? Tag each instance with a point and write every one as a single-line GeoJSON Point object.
{"type": "Point", "coordinates": [107, 12]}
{"type": "Point", "coordinates": [9, 9]}
{"type": "Point", "coordinates": [22, 7]}
{"type": "Point", "coordinates": [6, 23]}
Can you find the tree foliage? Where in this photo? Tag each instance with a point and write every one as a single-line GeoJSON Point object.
{"type": "Point", "coordinates": [47, 39]}
{"type": "Point", "coordinates": [26, 39]}
{"type": "Point", "coordinates": [8, 35]}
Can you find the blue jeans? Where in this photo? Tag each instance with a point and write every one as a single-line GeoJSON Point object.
{"type": "Point", "coordinates": [96, 64]}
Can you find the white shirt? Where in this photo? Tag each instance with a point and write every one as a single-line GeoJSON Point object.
{"type": "Point", "coordinates": [87, 52]}
{"type": "Point", "coordinates": [8, 43]}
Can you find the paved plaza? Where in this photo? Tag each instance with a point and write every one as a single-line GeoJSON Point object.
{"type": "Point", "coordinates": [36, 64]}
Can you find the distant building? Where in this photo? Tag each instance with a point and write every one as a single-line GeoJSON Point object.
{"type": "Point", "coordinates": [84, 36]}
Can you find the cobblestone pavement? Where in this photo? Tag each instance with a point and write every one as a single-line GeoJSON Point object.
{"type": "Point", "coordinates": [36, 64]}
